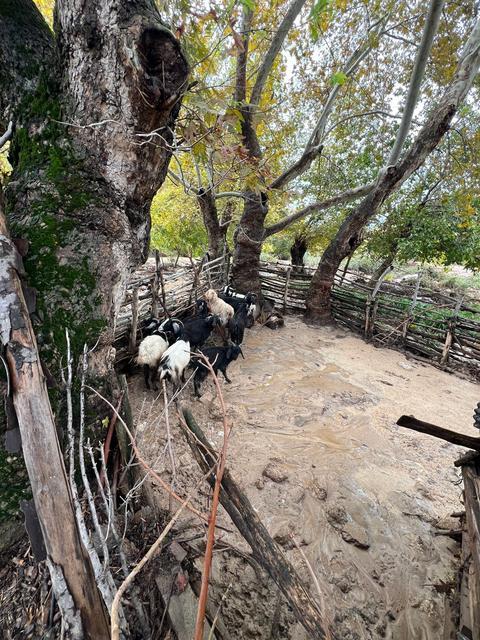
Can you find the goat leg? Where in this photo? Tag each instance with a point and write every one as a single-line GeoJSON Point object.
{"type": "Point", "coordinates": [224, 371]}
{"type": "Point", "coordinates": [146, 375]}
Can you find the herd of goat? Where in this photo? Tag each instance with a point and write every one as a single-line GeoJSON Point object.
{"type": "Point", "coordinates": [170, 346]}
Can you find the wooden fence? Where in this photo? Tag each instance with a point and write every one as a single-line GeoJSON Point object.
{"type": "Point", "coordinates": [160, 285]}
{"type": "Point", "coordinates": [440, 328]}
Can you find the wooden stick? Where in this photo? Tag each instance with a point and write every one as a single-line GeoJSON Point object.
{"type": "Point", "coordinates": [439, 432]}
{"type": "Point", "coordinates": [267, 552]}
{"type": "Point", "coordinates": [133, 331]}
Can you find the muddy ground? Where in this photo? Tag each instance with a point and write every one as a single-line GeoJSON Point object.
{"type": "Point", "coordinates": [316, 448]}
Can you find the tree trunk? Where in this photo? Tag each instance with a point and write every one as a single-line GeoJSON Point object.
{"type": "Point", "coordinates": [248, 239]}
{"type": "Point", "coordinates": [298, 251]}
{"type": "Point", "coordinates": [81, 187]}
{"type": "Point", "coordinates": [216, 231]}
{"type": "Point", "coordinates": [73, 579]}
{"type": "Point", "coordinates": [382, 267]}
{"type": "Point", "coordinates": [349, 236]}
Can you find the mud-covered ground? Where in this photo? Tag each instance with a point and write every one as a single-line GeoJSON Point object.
{"type": "Point", "coordinates": [315, 446]}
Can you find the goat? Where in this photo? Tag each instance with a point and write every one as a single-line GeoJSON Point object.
{"type": "Point", "coordinates": [149, 326]}
{"type": "Point", "coordinates": [175, 360]}
{"type": "Point", "coordinates": [219, 358]}
{"type": "Point", "coordinates": [150, 352]}
{"type": "Point", "coordinates": [172, 327]}
{"type": "Point", "coordinates": [269, 317]}
{"type": "Point", "coordinates": [198, 329]}
{"type": "Point", "coordinates": [238, 323]}
{"type": "Point", "coordinates": [236, 299]}
{"type": "Point", "coordinates": [201, 308]}
{"type": "Point", "coordinates": [220, 308]}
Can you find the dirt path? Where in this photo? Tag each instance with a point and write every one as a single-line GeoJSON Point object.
{"type": "Point", "coordinates": [318, 407]}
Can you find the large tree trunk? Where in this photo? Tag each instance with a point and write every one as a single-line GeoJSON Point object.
{"type": "Point", "coordinates": [81, 187]}
{"type": "Point", "coordinates": [216, 231]}
{"type": "Point", "coordinates": [349, 236]}
{"type": "Point", "coordinates": [248, 240]}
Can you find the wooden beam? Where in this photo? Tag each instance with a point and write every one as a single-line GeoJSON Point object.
{"type": "Point", "coordinates": [439, 432]}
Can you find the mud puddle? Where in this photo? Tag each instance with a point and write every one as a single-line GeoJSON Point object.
{"type": "Point", "coordinates": [316, 449]}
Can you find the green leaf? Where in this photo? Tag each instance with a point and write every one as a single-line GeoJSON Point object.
{"type": "Point", "coordinates": [338, 78]}
{"type": "Point", "coordinates": [249, 4]}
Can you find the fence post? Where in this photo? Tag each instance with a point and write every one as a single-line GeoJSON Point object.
{"type": "Point", "coordinates": [155, 285]}
{"type": "Point", "coordinates": [133, 330]}
{"type": "Point", "coordinates": [370, 319]}
{"type": "Point", "coordinates": [409, 318]}
{"type": "Point", "coordinates": [450, 333]}
{"type": "Point", "coordinates": [285, 293]}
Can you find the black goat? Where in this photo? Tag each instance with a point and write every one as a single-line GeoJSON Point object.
{"type": "Point", "coordinates": [197, 330]}
{"type": "Point", "coordinates": [149, 326]}
{"type": "Point", "coordinates": [219, 358]}
{"type": "Point", "coordinates": [201, 308]}
{"type": "Point", "coordinates": [238, 323]}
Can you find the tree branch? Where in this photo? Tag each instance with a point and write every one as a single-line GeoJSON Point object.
{"type": "Point", "coordinates": [429, 30]}
{"type": "Point", "coordinates": [241, 70]}
{"type": "Point", "coordinates": [314, 147]}
{"type": "Point", "coordinates": [273, 51]}
{"type": "Point", "coordinates": [341, 198]}
{"type": "Point", "coordinates": [7, 135]}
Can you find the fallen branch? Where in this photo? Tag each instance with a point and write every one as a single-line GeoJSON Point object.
{"type": "Point", "coordinates": [439, 432]}
{"type": "Point", "coordinates": [265, 551]}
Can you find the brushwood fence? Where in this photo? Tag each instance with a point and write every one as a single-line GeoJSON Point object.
{"type": "Point", "coordinates": [440, 328]}
{"type": "Point", "coordinates": [162, 288]}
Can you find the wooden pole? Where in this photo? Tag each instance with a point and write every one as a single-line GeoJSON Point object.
{"type": "Point", "coordinates": [370, 318]}
{"type": "Point", "coordinates": [133, 331]}
{"type": "Point", "coordinates": [439, 432]}
{"type": "Point", "coordinates": [155, 285]}
{"type": "Point", "coordinates": [285, 293]}
{"type": "Point", "coordinates": [450, 333]}
{"type": "Point", "coordinates": [413, 304]}
{"type": "Point", "coordinates": [471, 549]}
{"type": "Point", "coordinates": [73, 580]}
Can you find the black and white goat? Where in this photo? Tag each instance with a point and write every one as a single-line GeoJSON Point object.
{"type": "Point", "coordinates": [198, 329]}
{"type": "Point", "coordinates": [175, 360]}
{"type": "Point", "coordinates": [150, 352]}
{"type": "Point", "coordinates": [219, 358]}
{"type": "Point", "coordinates": [172, 327]}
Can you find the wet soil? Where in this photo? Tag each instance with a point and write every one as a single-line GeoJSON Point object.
{"type": "Point", "coordinates": [315, 446]}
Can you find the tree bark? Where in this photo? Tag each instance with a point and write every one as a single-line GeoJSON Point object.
{"type": "Point", "coordinates": [248, 239]}
{"type": "Point", "coordinates": [216, 230]}
{"type": "Point", "coordinates": [73, 579]}
{"type": "Point", "coordinates": [298, 251]}
{"type": "Point", "coordinates": [349, 236]}
{"type": "Point", "coordinates": [81, 186]}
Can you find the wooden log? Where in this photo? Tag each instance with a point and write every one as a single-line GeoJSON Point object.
{"type": "Point", "coordinates": [133, 331]}
{"type": "Point", "coordinates": [73, 580]}
{"type": "Point", "coordinates": [439, 432]}
{"type": "Point", "coordinates": [264, 549]}
{"type": "Point", "coordinates": [471, 546]}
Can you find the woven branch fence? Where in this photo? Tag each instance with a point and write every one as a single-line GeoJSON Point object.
{"type": "Point", "coordinates": [441, 329]}
{"type": "Point", "coordinates": [161, 289]}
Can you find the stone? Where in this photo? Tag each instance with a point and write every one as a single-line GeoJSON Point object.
{"type": "Point", "coordinates": [354, 534]}
{"type": "Point", "coordinates": [275, 472]}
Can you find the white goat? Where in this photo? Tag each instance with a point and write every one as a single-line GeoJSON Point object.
{"type": "Point", "coordinates": [150, 352]}
{"type": "Point", "coordinates": [174, 362]}
{"type": "Point", "coordinates": [218, 307]}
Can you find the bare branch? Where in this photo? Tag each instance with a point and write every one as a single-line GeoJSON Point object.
{"type": "Point", "coordinates": [7, 135]}
{"type": "Point", "coordinates": [429, 30]}
{"type": "Point", "coordinates": [341, 198]}
{"type": "Point", "coordinates": [229, 194]}
{"type": "Point", "coordinates": [313, 148]}
{"type": "Point", "coordinates": [242, 55]}
{"type": "Point", "coordinates": [273, 51]}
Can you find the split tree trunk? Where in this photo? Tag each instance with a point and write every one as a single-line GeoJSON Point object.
{"type": "Point", "coordinates": [349, 236]}
{"type": "Point", "coordinates": [298, 251]}
{"type": "Point", "coordinates": [81, 187]}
